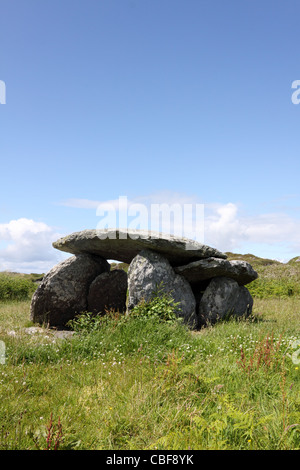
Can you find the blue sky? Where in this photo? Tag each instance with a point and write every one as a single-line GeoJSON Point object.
{"type": "Point", "coordinates": [157, 100]}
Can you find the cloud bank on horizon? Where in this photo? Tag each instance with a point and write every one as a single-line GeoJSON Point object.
{"type": "Point", "coordinates": [26, 244]}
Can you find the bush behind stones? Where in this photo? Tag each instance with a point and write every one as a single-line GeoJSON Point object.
{"type": "Point", "coordinates": [15, 287]}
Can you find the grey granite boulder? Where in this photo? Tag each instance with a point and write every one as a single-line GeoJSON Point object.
{"type": "Point", "coordinates": [108, 292]}
{"type": "Point", "coordinates": [125, 244]}
{"type": "Point", "coordinates": [208, 268]}
{"type": "Point", "coordinates": [63, 291]}
{"type": "Point", "coordinates": [224, 297]}
{"type": "Point", "coordinates": [149, 271]}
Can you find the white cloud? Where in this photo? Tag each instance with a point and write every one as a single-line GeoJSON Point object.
{"type": "Point", "coordinates": [26, 246]}
{"type": "Point", "coordinates": [222, 227]}
{"type": "Point", "coordinates": [226, 226]}
{"type": "Point", "coordinates": [229, 230]}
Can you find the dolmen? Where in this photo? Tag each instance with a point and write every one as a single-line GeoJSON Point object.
{"type": "Point", "coordinates": [205, 285]}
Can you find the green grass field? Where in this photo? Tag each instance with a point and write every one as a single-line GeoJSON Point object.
{"type": "Point", "coordinates": [144, 383]}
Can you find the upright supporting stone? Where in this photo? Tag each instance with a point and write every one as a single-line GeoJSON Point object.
{"type": "Point", "coordinates": [224, 297]}
{"type": "Point", "coordinates": [108, 292]}
{"type": "Point", "coordinates": [63, 291]}
{"type": "Point", "coordinates": [150, 270]}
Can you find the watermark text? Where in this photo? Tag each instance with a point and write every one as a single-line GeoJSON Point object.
{"type": "Point", "coordinates": [296, 94]}
{"type": "Point", "coordinates": [2, 92]}
{"type": "Point", "coordinates": [182, 220]}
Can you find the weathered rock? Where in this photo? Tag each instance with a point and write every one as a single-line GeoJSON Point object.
{"type": "Point", "coordinates": [208, 268]}
{"type": "Point", "coordinates": [49, 333]}
{"type": "Point", "coordinates": [149, 271]}
{"type": "Point", "coordinates": [108, 292]}
{"type": "Point", "coordinates": [224, 297]}
{"type": "Point", "coordinates": [125, 244]}
{"type": "Point", "coordinates": [63, 291]}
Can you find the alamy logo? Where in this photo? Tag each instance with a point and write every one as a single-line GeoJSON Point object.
{"type": "Point", "coordinates": [296, 95]}
{"type": "Point", "coordinates": [2, 92]}
{"type": "Point", "coordinates": [184, 220]}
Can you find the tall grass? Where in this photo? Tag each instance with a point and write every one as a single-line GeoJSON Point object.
{"type": "Point", "coordinates": [143, 383]}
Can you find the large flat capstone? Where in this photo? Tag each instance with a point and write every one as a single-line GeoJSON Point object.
{"type": "Point", "coordinates": [124, 244]}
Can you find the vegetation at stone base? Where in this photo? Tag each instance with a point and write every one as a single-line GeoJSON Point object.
{"type": "Point", "coordinates": [141, 382]}
{"type": "Point", "coordinates": [160, 307]}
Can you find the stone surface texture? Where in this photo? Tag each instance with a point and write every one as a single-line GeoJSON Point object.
{"type": "Point", "coordinates": [200, 270]}
{"type": "Point", "coordinates": [63, 291]}
{"type": "Point", "coordinates": [224, 297]}
{"type": "Point", "coordinates": [149, 271]}
{"type": "Point", "coordinates": [108, 292]}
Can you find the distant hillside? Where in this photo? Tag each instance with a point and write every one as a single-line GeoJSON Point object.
{"type": "Point", "coordinates": [30, 277]}
{"type": "Point", "coordinates": [295, 261]}
{"type": "Point", "coordinates": [270, 268]}
{"type": "Point", "coordinates": [276, 279]}
{"type": "Point", "coordinates": [255, 261]}
{"type": "Point", "coordinates": [123, 266]}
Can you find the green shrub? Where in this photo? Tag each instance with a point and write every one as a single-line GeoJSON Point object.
{"type": "Point", "coordinates": [87, 322]}
{"type": "Point", "coordinates": [15, 287]}
{"type": "Point", "coordinates": [269, 288]}
{"type": "Point", "coordinates": [161, 305]}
